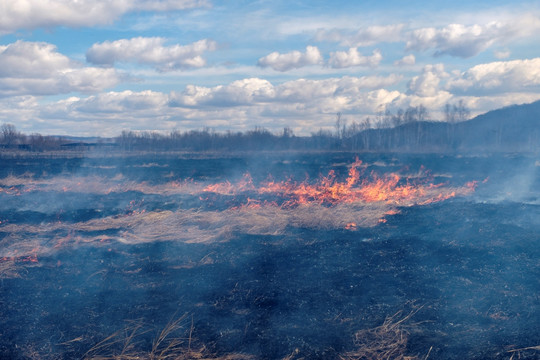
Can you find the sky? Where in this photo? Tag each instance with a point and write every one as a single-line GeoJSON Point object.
{"type": "Point", "coordinates": [99, 67]}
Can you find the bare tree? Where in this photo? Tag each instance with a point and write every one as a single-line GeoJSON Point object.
{"type": "Point", "coordinates": [9, 134]}
{"type": "Point", "coordinates": [456, 113]}
{"type": "Point", "coordinates": [462, 113]}
{"type": "Point", "coordinates": [341, 126]}
{"type": "Point", "coordinates": [422, 113]}
{"type": "Point", "coordinates": [449, 114]}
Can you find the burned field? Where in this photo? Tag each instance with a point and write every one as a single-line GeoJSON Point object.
{"type": "Point", "coordinates": [274, 256]}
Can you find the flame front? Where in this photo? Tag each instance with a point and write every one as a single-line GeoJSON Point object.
{"type": "Point", "coordinates": [270, 207]}
{"type": "Point", "coordinates": [390, 188]}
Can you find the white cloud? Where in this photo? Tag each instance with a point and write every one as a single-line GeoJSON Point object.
{"type": "Point", "coordinates": [454, 39]}
{"type": "Point", "coordinates": [467, 41]}
{"type": "Point", "coordinates": [346, 86]}
{"type": "Point", "coordinates": [296, 99]}
{"type": "Point", "coordinates": [121, 102]}
{"type": "Point", "coordinates": [32, 68]}
{"type": "Point", "coordinates": [22, 111]}
{"type": "Point", "coordinates": [108, 113]}
{"type": "Point", "coordinates": [499, 76]}
{"type": "Point", "coordinates": [407, 60]}
{"type": "Point", "coordinates": [342, 59]}
{"type": "Point", "coordinates": [363, 37]}
{"type": "Point", "coordinates": [292, 60]}
{"type": "Point", "coordinates": [167, 5]}
{"type": "Point", "coordinates": [502, 54]}
{"type": "Point", "coordinates": [462, 40]}
{"type": "Point", "coordinates": [238, 105]}
{"type": "Point", "coordinates": [427, 83]}
{"type": "Point", "coordinates": [241, 92]}
{"type": "Point", "coordinates": [303, 104]}
{"type": "Point", "coordinates": [481, 104]}
{"type": "Point", "coordinates": [150, 50]}
{"type": "Point", "coordinates": [31, 14]}
{"type": "Point", "coordinates": [255, 91]}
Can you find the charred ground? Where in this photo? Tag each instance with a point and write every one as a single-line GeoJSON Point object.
{"type": "Point", "coordinates": [80, 262]}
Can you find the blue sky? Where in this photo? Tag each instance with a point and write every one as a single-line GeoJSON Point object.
{"type": "Point", "coordinates": [97, 67]}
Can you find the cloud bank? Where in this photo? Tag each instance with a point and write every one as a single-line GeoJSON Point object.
{"type": "Point", "coordinates": [37, 68]}
{"type": "Point", "coordinates": [467, 41]}
{"type": "Point", "coordinates": [342, 59]}
{"type": "Point", "coordinates": [362, 37]}
{"type": "Point", "coordinates": [292, 60]}
{"type": "Point", "coordinates": [32, 14]}
{"type": "Point", "coordinates": [151, 51]}
{"type": "Point", "coordinates": [499, 76]}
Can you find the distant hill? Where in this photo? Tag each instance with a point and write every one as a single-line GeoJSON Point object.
{"type": "Point", "coordinates": [511, 129]}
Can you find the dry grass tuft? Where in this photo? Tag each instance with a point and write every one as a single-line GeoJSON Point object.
{"type": "Point", "coordinates": [384, 342]}
{"type": "Point", "coordinates": [9, 270]}
{"type": "Point", "coordinates": [522, 352]}
{"type": "Point", "coordinates": [174, 342]}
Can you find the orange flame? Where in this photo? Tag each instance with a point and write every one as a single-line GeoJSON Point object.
{"type": "Point", "coordinates": [350, 226]}
{"type": "Point", "coordinates": [390, 188]}
{"type": "Point", "coordinates": [31, 258]}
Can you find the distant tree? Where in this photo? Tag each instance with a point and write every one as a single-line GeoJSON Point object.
{"type": "Point", "coordinates": [456, 112]}
{"type": "Point", "coordinates": [398, 118]}
{"type": "Point", "coordinates": [422, 113]}
{"type": "Point", "coordinates": [287, 132]}
{"type": "Point", "coordinates": [449, 114]}
{"type": "Point", "coordinates": [37, 142]}
{"type": "Point", "coordinates": [9, 134]}
{"type": "Point", "coordinates": [462, 112]}
{"type": "Point", "coordinates": [366, 125]}
{"type": "Point", "coordinates": [453, 114]}
{"type": "Point", "coordinates": [341, 126]}
{"type": "Point", "coordinates": [126, 140]}
{"type": "Point", "coordinates": [337, 125]}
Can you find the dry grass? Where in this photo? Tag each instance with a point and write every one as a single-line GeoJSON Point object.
{"type": "Point", "coordinates": [385, 342]}
{"type": "Point", "coordinates": [9, 270]}
{"type": "Point", "coordinates": [174, 342]}
{"type": "Point", "coordinates": [523, 353]}
{"type": "Point", "coordinates": [189, 226]}
{"type": "Point", "coordinates": [16, 185]}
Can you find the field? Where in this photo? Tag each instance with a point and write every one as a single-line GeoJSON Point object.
{"type": "Point", "coordinates": [269, 256]}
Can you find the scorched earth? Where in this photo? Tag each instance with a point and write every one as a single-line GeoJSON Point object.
{"type": "Point", "coordinates": [269, 256]}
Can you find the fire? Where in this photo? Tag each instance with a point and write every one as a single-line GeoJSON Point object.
{"type": "Point", "coordinates": [27, 258]}
{"type": "Point", "coordinates": [12, 190]}
{"type": "Point", "coordinates": [226, 188]}
{"type": "Point", "coordinates": [64, 240]}
{"type": "Point", "coordinates": [329, 190]}
{"type": "Point", "coordinates": [350, 226]}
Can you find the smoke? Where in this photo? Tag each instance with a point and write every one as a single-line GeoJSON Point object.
{"type": "Point", "coordinates": [295, 263]}
{"type": "Point", "coordinates": [127, 211]}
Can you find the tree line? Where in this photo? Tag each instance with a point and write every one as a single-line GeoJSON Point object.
{"type": "Point", "coordinates": [11, 138]}
{"type": "Point", "coordinates": [403, 129]}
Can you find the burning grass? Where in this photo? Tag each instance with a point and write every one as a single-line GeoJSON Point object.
{"type": "Point", "coordinates": [356, 188]}
{"type": "Point", "coordinates": [298, 291]}
{"type": "Point", "coordinates": [328, 190]}
{"type": "Point", "coordinates": [267, 208]}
